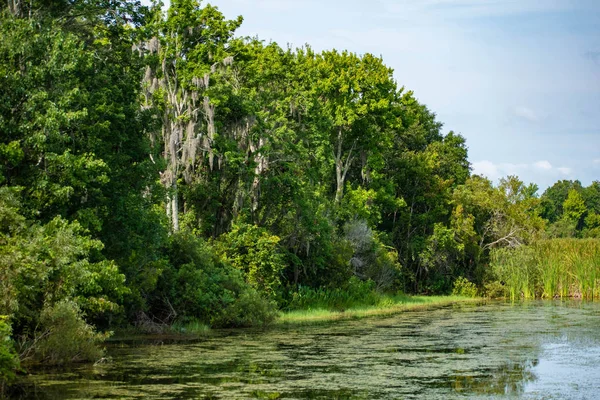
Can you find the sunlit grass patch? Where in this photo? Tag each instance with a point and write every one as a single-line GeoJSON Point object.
{"type": "Point", "coordinates": [388, 305]}
{"type": "Point", "coordinates": [193, 327]}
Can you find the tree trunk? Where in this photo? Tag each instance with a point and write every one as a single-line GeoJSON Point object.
{"type": "Point", "coordinates": [341, 167]}
{"type": "Point", "coordinates": [14, 6]}
{"type": "Point", "coordinates": [174, 205]}
{"type": "Point", "coordinates": [339, 192]}
{"type": "Point", "coordinates": [261, 166]}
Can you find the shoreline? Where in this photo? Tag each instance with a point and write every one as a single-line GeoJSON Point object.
{"type": "Point", "coordinates": [300, 317]}
{"type": "Point", "coordinates": [409, 303]}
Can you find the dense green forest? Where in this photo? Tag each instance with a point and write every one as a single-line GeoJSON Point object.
{"type": "Point", "coordinates": [156, 169]}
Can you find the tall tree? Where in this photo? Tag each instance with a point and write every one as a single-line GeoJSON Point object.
{"type": "Point", "coordinates": [553, 198]}
{"type": "Point", "coordinates": [184, 50]}
{"type": "Point", "coordinates": [354, 95]}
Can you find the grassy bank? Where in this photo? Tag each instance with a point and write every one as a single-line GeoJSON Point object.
{"type": "Point", "coordinates": [388, 306]}
{"type": "Point", "coordinates": [550, 268]}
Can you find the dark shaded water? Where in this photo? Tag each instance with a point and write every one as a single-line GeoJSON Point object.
{"type": "Point", "coordinates": [537, 350]}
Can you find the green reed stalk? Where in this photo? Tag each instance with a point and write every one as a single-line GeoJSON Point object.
{"type": "Point", "coordinates": [550, 268]}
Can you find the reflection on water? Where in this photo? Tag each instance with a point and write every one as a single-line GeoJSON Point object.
{"type": "Point", "coordinates": [532, 350]}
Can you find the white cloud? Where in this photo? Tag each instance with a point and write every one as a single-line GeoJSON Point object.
{"type": "Point", "coordinates": [597, 161]}
{"type": "Point", "coordinates": [540, 172]}
{"type": "Point", "coordinates": [495, 171]}
{"type": "Point", "coordinates": [543, 165]}
{"type": "Point", "coordinates": [564, 170]}
{"type": "Point", "coordinates": [526, 113]}
{"type": "Point", "coordinates": [486, 168]}
{"type": "Point", "coordinates": [513, 169]}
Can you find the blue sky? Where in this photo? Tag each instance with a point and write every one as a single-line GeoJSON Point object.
{"type": "Point", "coordinates": [520, 79]}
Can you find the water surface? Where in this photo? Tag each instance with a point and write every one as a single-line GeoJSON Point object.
{"type": "Point", "coordinates": [534, 350]}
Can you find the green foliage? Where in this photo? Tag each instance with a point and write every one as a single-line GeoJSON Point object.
{"type": "Point", "coordinates": [73, 137]}
{"type": "Point", "coordinates": [494, 290]}
{"type": "Point", "coordinates": [563, 228]}
{"type": "Point", "coordinates": [249, 309]}
{"type": "Point", "coordinates": [578, 212]}
{"type": "Point", "coordinates": [591, 196]}
{"type": "Point", "coordinates": [152, 162]}
{"type": "Point", "coordinates": [9, 361]}
{"type": "Point", "coordinates": [552, 200]}
{"type": "Point", "coordinates": [550, 268]}
{"type": "Point", "coordinates": [441, 255]}
{"type": "Point", "coordinates": [372, 260]}
{"type": "Point", "coordinates": [65, 337]}
{"type": "Point", "coordinates": [48, 263]}
{"type": "Point", "coordinates": [360, 204]}
{"type": "Point", "coordinates": [464, 287]}
{"type": "Point", "coordinates": [592, 225]}
{"type": "Point", "coordinates": [355, 293]}
{"type": "Point", "coordinates": [256, 253]}
{"type": "Point", "coordinates": [199, 285]}
{"type": "Point", "coordinates": [574, 207]}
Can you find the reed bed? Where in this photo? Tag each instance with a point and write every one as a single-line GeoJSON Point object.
{"type": "Point", "coordinates": [555, 268]}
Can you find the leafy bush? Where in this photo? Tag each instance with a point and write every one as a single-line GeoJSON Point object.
{"type": "Point", "coordinates": [66, 337]}
{"type": "Point", "coordinates": [199, 285]}
{"type": "Point", "coordinates": [50, 262]}
{"type": "Point", "coordinates": [463, 287]}
{"type": "Point", "coordinates": [494, 290]}
{"type": "Point", "coordinates": [48, 278]}
{"type": "Point", "coordinates": [249, 309]}
{"type": "Point", "coordinates": [9, 361]}
{"type": "Point", "coordinates": [255, 252]}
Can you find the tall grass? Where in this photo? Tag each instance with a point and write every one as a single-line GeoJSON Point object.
{"type": "Point", "coordinates": [550, 268]}
{"type": "Point", "coordinates": [355, 293]}
{"type": "Point", "coordinates": [388, 305]}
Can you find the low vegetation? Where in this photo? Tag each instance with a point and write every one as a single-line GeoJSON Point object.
{"type": "Point", "coordinates": [386, 305]}
{"type": "Point", "coordinates": [550, 268]}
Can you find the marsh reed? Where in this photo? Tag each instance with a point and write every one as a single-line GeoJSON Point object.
{"type": "Point", "coordinates": [554, 268]}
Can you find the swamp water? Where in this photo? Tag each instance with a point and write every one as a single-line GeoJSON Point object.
{"type": "Point", "coordinates": [536, 350]}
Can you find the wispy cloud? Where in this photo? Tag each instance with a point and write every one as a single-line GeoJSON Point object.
{"type": "Point", "coordinates": [486, 168]}
{"type": "Point", "coordinates": [542, 169]}
{"type": "Point", "coordinates": [564, 170]}
{"type": "Point", "coordinates": [495, 171]}
{"type": "Point", "coordinates": [526, 113]}
{"type": "Point", "coordinates": [543, 165]}
{"type": "Point", "coordinates": [596, 161]}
